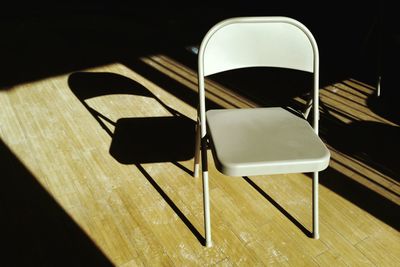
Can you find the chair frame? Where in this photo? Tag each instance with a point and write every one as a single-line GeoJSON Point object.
{"type": "Point", "coordinates": [201, 129]}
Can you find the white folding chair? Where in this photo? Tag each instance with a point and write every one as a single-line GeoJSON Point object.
{"type": "Point", "coordinates": [258, 141]}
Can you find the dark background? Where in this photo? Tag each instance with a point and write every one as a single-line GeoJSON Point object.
{"type": "Point", "coordinates": [39, 40]}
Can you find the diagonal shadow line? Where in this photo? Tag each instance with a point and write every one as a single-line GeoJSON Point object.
{"type": "Point", "coordinates": [187, 170]}
{"type": "Point", "coordinates": [377, 184]}
{"type": "Point", "coordinates": [98, 116]}
{"type": "Point", "coordinates": [279, 207]}
{"type": "Point", "coordinates": [169, 201]}
{"type": "Point", "coordinates": [39, 231]}
{"type": "Point", "coordinates": [351, 106]}
{"type": "Point", "coordinates": [369, 87]}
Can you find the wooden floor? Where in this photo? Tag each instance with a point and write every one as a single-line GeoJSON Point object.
{"type": "Point", "coordinates": [83, 186]}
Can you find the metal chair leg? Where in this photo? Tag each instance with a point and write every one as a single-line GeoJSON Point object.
{"type": "Point", "coordinates": [206, 196]}
{"type": "Point", "coordinates": [206, 202]}
{"type": "Point", "coordinates": [315, 206]}
{"type": "Point", "coordinates": [196, 167]}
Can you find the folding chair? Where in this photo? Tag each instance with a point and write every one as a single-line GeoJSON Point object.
{"type": "Point", "coordinates": [258, 141]}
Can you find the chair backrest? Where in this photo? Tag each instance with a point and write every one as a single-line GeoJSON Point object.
{"type": "Point", "coordinates": [258, 42]}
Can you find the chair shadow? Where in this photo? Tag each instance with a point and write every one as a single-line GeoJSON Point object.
{"type": "Point", "coordinates": [86, 85]}
{"type": "Point", "coordinates": [143, 139]}
{"type": "Point", "coordinates": [374, 143]}
{"type": "Point", "coordinates": [36, 231]}
{"type": "Point", "coordinates": [278, 207]}
{"type": "Point", "coordinates": [375, 204]}
{"type": "Point", "coordinates": [153, 139]}
{"type": "Point", "coordinates": [172, 205]}
{"type": "Point", "coordinates": [386, 105]}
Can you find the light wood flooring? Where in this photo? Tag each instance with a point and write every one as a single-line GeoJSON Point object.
{"type": "Point", "coordinates": [77, 193]}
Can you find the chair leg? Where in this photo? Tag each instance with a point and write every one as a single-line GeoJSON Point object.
{"type": "Point", "coordinates": [206, 196]}
{"type": "Point", "coordinates": [206, 203]}
{"type": "Point", "coordinates": [197, 151]}
{"type": "Point", "coordinates": [315, 206]}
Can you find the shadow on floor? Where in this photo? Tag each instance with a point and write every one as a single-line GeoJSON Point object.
{"type": "Point", "coordinates": [140, 139]}
{"type": "Point", "coordinates": [144, 139]}
{"type": "Point", "coordinates": [70, 40]}
{"type": "Point", "coordinates": [360, 195]}
{"type": "Point", "coordinates": [153, 139]}
{"type": "Point", "coordinates": [373, 143]}
{"type": "Point", "coordinates": [36, 231]}
{"type": "Point", "coordinates": [278, 206]}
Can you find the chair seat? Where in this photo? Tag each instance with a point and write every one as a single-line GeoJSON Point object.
{"type": "Point", "coordinates": [262, 141]}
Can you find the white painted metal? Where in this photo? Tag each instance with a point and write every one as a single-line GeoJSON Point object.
{"type": "Point", "coordinates": [238, 43]}
{"type": "Point", "coordinates": [264, 42]}
{"type": "Point", "coordinates": [378, 86]}
{"type": "Point", "coordinates": [315, 206]}
{"type": "Point", "coordinates": [259, 141]}
{"type": "Point", "coordinates": [206, 203]}
{"type": "Point", "coordinates": [203, 133]}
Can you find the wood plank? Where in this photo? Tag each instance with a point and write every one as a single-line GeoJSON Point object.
{"type": "Point", "coordinates": [153, 215]}
{"type": "Point", "coordinates": [387, 241]}
{"type": "Point", "coordinates": [327, 259]}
